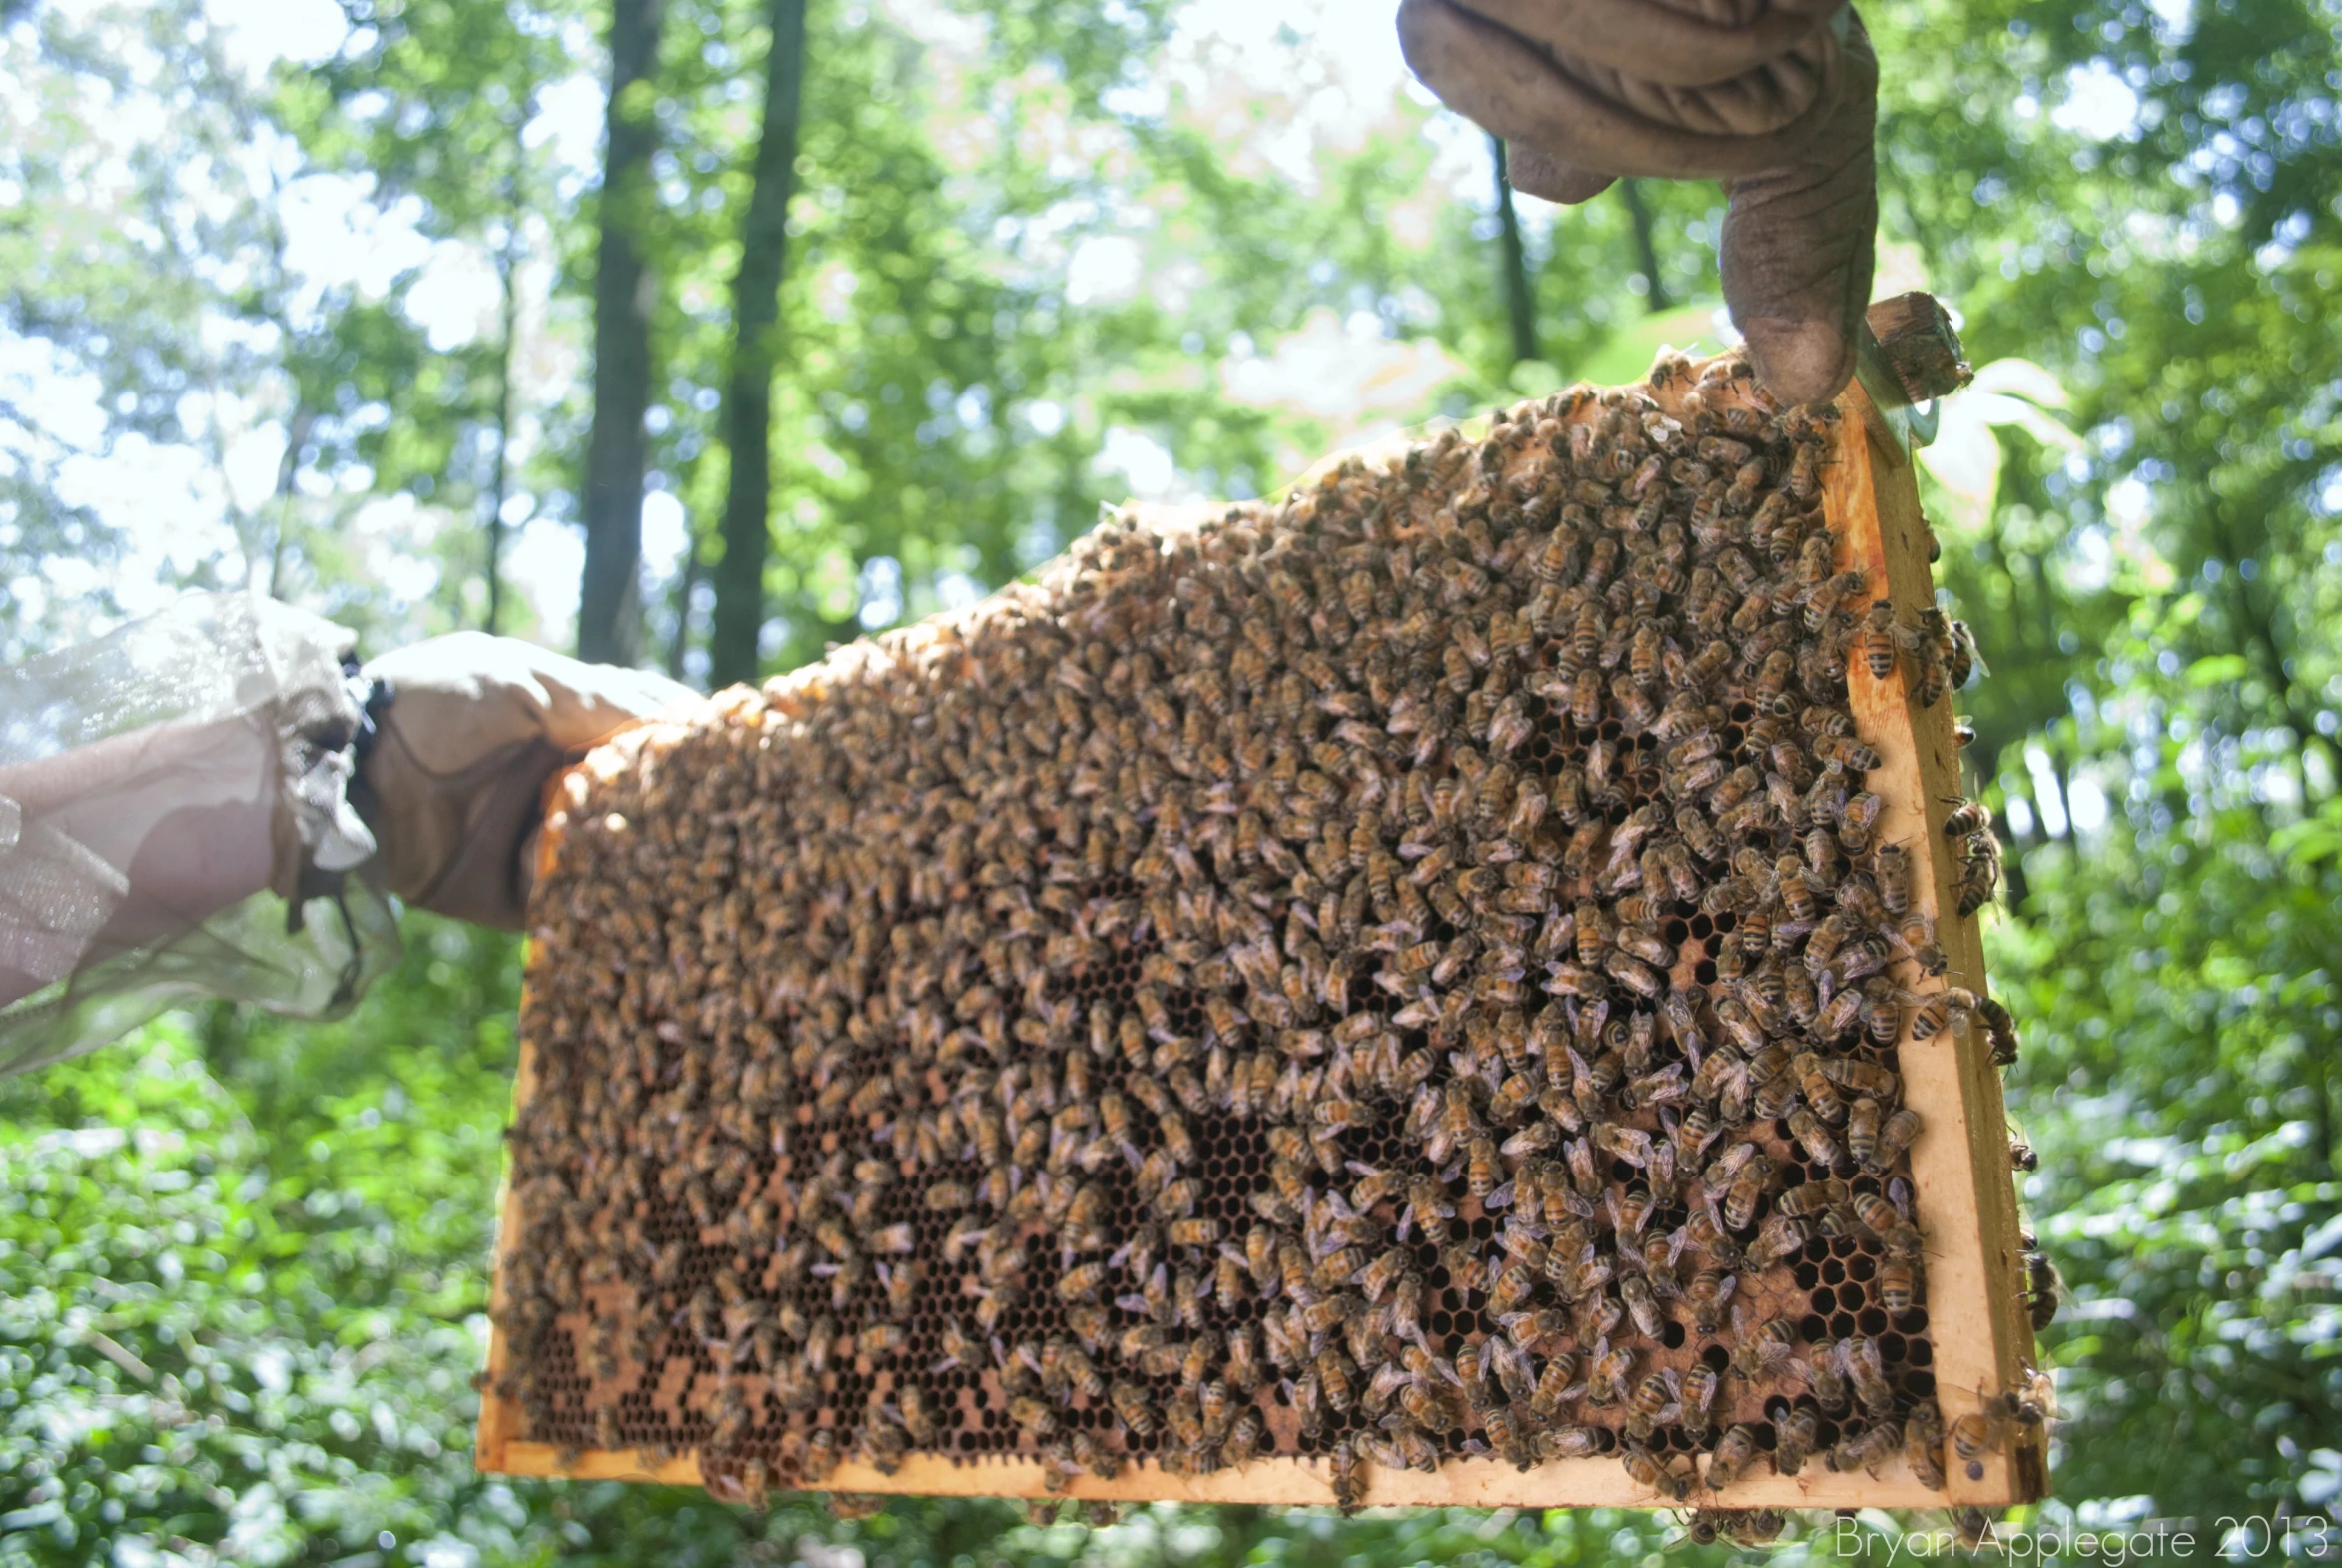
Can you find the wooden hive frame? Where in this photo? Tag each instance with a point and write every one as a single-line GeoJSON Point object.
{"type": "Point", "coordinates": [1980, 1330]}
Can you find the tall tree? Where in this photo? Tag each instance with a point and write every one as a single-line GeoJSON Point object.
{"type": "Point", "coordinates": [1519, 301]}
{"type": "Point", "coordinates": [609, 600]}
{"type": "Point", "coordinates": [748, 402]}
{"type": "Point", "coordinates": [508, 253]}
{"type": "Point", "coordinates": [1638, 212]}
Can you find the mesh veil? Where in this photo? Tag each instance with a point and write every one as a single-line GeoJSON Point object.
{"type": "Point", "coordinates": [142, 778]}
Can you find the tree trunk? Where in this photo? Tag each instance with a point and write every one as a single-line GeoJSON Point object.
{"type": "Point", "coordinates": [1645, 248]}
{"type": "Point", "coordinates": [686, 586]}
{"type": "Point", "coordinates": [1519, 301]}
{"type": "Point", "coordinates": [748, 398]}
{"type": "Point", "coordinates": [499, 483]}
{"type": "Point", "coordinates": [610, 610]}
{"type": "Point", "coordinates": [297, 436]}
{"type": "Point", "coordinates": [2256, 631]}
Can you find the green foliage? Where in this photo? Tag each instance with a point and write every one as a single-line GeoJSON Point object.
{"type": "Point", "coordinates": [240, 1297]}
{"type": "Point", "coordinates": [2157, 610]}
{"type": "Point", "coordinates": [243, 1265]}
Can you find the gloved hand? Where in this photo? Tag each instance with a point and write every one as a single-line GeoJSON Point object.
{"type": "Point", "coordinates": [455, 780]}
{"type": "Point", "coordinates": [1776, 98]}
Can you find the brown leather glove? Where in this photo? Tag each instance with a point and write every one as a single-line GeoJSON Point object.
{"type": "Point", "coordinates": [1776, 98]}
{"type": "Point", "coordinates": [453, 783]}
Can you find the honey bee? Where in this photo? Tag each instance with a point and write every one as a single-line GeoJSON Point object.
{"type": "Point", "coordinates": [1974, 1529]}
{"type": "Point", "coordinates": [1814, 1137]}
{"type": "Point", "coordinates": [1879, 640]}
{"type": "Point", "coordinates": [1427, 1210]}
{"type": "Point", "coordinates": [1780, 1236]}
{"type": "Point", "coordinates": [1862, 1124]}
{"type": "Point", "coordinates": [1035, 1416]}
{"type": "Point", "coordinates": [1178, 1143]}
{"type": "Point", "coordinates": [1746, 1190]}
{"type": "Point", "coordinates": [1556, 1386]}
{"type": "Point", "coordinates": [1979, 874]}
{"type": "Point", "coordinates": [1654, 1400]}
{"type": "Point", "coordinates": [1652, 1474]}
{"type": "Point", "coordinates": [1607, 1374]}
{"type": "Point", "coordinates": [1506, 1439]}
{"type": "Point", "coordinates": [1733, 1454]}
{"type": "Point", "coordinates": [1347, 1476]}
{"type": "Point", "coordinates": [1481, 1170]}
{"type": "Point", "coordinates": [1639, 943]}
{"type": "Point", "coordinates": [1810, 1198]}
{"type": "Point", "coordinates": [1999, 1028]}
{"type": "Point", "coordinates": [1974, 1438]}
{"type": "Point", "coordinates": [1632, 1144]}
{"type": "Point", "coordinates": [1193, 1233]}
{"type": "Point", "coordinates": [1859, 1359]}
{"type": "Point", "coordinates": [1133, 1407]}
{"type": "Point", "coordinates": [2042, 1290]}
{"type": "Point", "coordinates": [1966, 819]}
{"type": "Point", "coordinates": [1869, 1447]}
{"type": "Point", "coordinates": [1898, 1285]}
{"type": "Point", "coordinates": [1960, 658]}
{"type": "Point", "coordinates": [1819, 1091]}
{"type": "Point", "coordinates": [1641, 1302]}
{"type": "Point", "coordinates": [1570, 1442]}
{"type": "Point", "coordinates": [1770, 1345]}
{"type": "Point", "coordinates": [1081, 1284]}
{"type": "Point", "coordinates": [1882, 1219]}
{"type": "Point", "coordinates": [1796, 1431]}
{"type": "Point", "coordinates": [1708, 1292]}
{"type": "Point", "coordinates": [1471, 1369]}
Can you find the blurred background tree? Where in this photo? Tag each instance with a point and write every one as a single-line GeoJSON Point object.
{"type": "Point", "coordinates": [304, 297]}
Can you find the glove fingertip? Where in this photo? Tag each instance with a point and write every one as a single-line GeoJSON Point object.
{"type": "Point", "coordinates": [1538, 173]}
{"type": "Point", "coordinates": [1799, 361]}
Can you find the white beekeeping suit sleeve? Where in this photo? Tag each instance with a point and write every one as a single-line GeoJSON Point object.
{"type": "Point", "coordinates": [154, 786]}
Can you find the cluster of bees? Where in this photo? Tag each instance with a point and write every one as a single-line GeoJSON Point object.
{"type": "Point", "coordinates": [1404, 972]}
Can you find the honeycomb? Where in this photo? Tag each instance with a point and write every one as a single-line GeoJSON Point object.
{"type": "Point", "coordinates": [1402, 973]}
